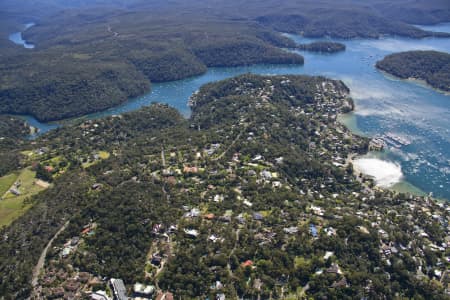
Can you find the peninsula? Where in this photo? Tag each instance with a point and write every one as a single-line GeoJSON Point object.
{"type": "Point", "coordinates": [432, 67]}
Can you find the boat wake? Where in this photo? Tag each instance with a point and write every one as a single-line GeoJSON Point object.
{"type": "Point", "coordinates": [385, 173]}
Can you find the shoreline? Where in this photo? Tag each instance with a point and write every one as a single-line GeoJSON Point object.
{"type": "Point", "coordinates": [416, 81]}
{"type": "Point", "coordinates": [348, 120]}
{"type": "Point", "coordinates": [402, 186]}
{"type": "Point", "coordinates": [55, 123]}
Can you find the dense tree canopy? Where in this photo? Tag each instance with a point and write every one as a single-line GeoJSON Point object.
{"type": "Point", "coordinates": [12, 133]}
{"type": "Point", "coordinates": [92, 55]}
{"type": "Point", "coordinates": [248, 197]}
{"type": "Point", "coordinates": [322, 46]}
{"type": "Point", "coordinates": [430, 66]}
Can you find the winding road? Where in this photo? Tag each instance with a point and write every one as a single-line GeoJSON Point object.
{"type": "Point", "coordinates": [41, 262]}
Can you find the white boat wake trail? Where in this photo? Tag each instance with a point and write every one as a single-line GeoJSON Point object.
{"type": "Point", "coordinates": [386, 173]}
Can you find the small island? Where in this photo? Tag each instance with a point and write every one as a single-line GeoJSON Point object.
{"type": "Point", "coordinates": [432, 67]}
{"type": "Point", "coordinates": [322, 47]}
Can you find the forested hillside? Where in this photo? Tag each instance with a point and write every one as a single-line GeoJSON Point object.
{"type": "Point", "coordinates": [11, 128]}
{"type": "Point", "coordinates": [12, 133]}
{"type": "Point", "coordinates": [78, 72]}
{"type": "Point", "coordinates": [430, 66]}
{"type": "Point", "coordinates": [322, 47]}
{"type": "Point", "coordinates": [92, 55]}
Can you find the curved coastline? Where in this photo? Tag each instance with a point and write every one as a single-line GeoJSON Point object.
{"type": "Point", "coordinates": [401, 185]}
{"type": "Point", "coordinates": [43, 126]}
{"type": "Point", "coordinates": [163, 92]}
{"type": "Point", "coordinates": [395, 182]}
{"type": "Point", "coordinates": [415, 81]}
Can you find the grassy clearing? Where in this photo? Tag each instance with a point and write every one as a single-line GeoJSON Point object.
{"type": "Point", "coordinates": [6, 182]}
{"type": "Point", "coordinates": [88, 164]}
{"type": "Point", "coordinates": [28, 153]}
{"type": "Point", "coordinates": [103, 154]}
{"type": "Point", "coordinates": [54, 161]}
{"type": "Point", "coordinates": [12, 206]}
{"type": "Point", "coordinates": [31, 155]}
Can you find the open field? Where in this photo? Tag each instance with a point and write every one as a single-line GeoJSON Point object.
{"type": "Point", "coordinates": [6, 182]}
{"type": "Point", "coordinates": [13, 206]}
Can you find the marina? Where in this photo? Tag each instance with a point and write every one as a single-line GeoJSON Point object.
{"type": "Point", "coordinates": [394, 140]}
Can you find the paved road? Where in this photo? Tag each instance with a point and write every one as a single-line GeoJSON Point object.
{"type": "Point", "coordinates": [41, 262]}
